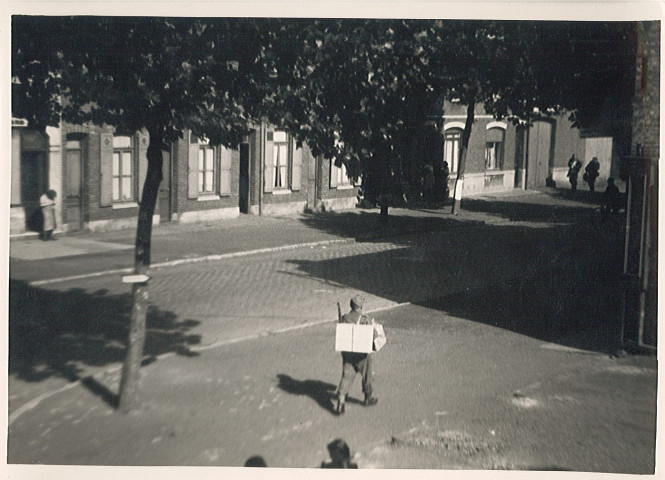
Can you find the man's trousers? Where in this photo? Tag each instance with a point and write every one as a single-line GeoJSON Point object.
{"type": "Point", "coordinates": [353, 363]}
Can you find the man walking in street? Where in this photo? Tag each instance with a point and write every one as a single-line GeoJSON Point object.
{"type": "Point", "coordinates": [353, 362]}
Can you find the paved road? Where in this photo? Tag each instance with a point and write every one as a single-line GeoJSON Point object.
{"type": "Point", "coordinates": [203, 304]}
{"type": "Point", "coordinates": [453, 394]}
{"type": "Point", "coordinates": [492, 353]}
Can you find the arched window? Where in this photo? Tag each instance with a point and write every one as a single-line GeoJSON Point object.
{"type": "Point", "coordinates": [452, 142]}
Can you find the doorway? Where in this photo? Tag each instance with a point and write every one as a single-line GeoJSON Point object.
{"type": "Point", "coordinates": [243, 188]}
{"type": "Point", "coordinates": [164, 195]}
{"type": "Point", "coordinates": [33, 184]}
{"type": "Point", "coordinates": [540, 152]}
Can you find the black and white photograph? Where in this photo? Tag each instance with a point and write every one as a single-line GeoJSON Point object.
{"type": "Point", "coordinates": [417, 240]}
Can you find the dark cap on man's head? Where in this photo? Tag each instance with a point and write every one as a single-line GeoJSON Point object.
{"type": "Point", "coordinates": [357, 301]}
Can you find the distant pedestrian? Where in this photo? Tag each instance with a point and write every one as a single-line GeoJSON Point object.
{"type": "Point", "coordinates": [445, 175]}
{"type": "Point", "coordinates": [353, 362]}
{"type": "Point", "coordinates": [340, 455]}
{"type": "Point", "coordinates": [612, 200]}
{"type": "Point", "coordinates": [591, 173]}
{"type": "Point", "coordinates": [47, 204]}
{"type": "Point", "coordinates": [574, 166]}
{"type": "Point", "coordinates": [427, 183]}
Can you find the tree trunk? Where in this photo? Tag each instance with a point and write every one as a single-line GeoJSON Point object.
{"type": "Point", "coordinates": [383, 216]}
{"type": "Point", "coordinates": [459, 183]}
{"type": "Point", "coordinates": [128, 398]}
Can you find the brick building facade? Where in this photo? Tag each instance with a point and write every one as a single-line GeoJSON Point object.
{"type": "Point", "coordinates": [99, 175]}
{"type": "Point", "coordinates": [502, 155]}
{"type": "Point", "coordinates": [640, 266]}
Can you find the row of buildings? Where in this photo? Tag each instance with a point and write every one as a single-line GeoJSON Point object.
{"type": "Point", "coordinates": [98, 174]}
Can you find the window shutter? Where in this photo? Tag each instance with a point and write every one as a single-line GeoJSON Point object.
{"type": "Point", "coordinates": [296, 166]}
{"type": "Point", "coordinates": [16, 167]}
{"type": "Point", "coordinates": [106, 170]}
{"type": "Point", "coordinates": [193, 169]}
{"type": "Point", "coordinates": [333, 174]}
{"type": "Point", "coordinates": [268, 166]}
{"type": "Point", "coordinates": [225, 171]}
{"type": "Point", "coordinates": [142, 149]}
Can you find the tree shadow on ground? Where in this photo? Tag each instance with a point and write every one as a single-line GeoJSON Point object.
{"type": "Point", "coordinates": [554, 307]}
{"type": "Point", "coordinates": [524, 211]}
{"type": "Point", "coordinates": [560, 284]}
{"type": "Point", "coordinates": [322, 393]}
{"type": "Point", "coordinates": [548, 208]}
{"type": "Point", "coordinates": [69, 334]}
{"type": "Point", "coordinates": [366, 225]}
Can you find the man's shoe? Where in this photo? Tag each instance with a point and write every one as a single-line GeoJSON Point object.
{"type": "Point", "coordinates": [340, 408]}
{"type": "Point", "coordinates": [369, 401]}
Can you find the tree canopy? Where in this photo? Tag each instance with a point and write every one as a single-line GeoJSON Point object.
{"type": "Point", "coordinates": [161, 75]}
{"type": "Point", "coordinates": [354, 89]}
{"type": "Point", "coordinates": [134, 73]}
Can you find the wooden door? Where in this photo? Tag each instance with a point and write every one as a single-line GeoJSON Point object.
{"type": "Point", "coordinates": [243, 193]}
{"type": "Point", "coordinates": [540, 149]}
{"type": "Point", "coordinates": [164, 196]}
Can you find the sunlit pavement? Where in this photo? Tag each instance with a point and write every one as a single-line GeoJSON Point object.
{"type": "Point", "coordinates": [219, 387]}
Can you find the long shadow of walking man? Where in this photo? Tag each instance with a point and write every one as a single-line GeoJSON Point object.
{"type": "Point", "coordinates": [321, 392]}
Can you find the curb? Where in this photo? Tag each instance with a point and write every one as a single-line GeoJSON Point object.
{"type": "Point", "coordinates": [224, 256]}
{"type": "Point", "coordinates": [185, 261]}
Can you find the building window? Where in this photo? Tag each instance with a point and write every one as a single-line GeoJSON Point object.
{"type": "Point", "coordinates": [494, 149]}
{"type": "Point", "coordinates": [282, 163]}
{"type": "Point", "coordinates": [206, 167]}
{"type": "Point", "coordinates": [451, 148]}
{"type": "Point", "coordinates": [342, 176]}
{"type": "Point", "coordinates": [280, 159]}
{"type": "Point", "coordinates": [339, 177]}
{"type": "Point", "coordinates": [123, 169]}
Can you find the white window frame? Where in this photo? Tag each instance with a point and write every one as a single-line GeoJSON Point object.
{"type": "Point", "coordinates": [207, 171]}
{"type": "Point", "coordinates": [494, 150]}
{"type": "Point", "coordinates": [119, 173]}
{"type": "Point", "coordinates": [343, 180]}
{"type": "Point", "coordinates": [281, 160]}
{"type": "Point", "coordinates": [452, 137]}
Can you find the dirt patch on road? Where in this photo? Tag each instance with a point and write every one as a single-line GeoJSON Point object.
{"type": "Point", "coordinates": [431, 448]}
{"type": "Point", "coordinates": [449, 441]}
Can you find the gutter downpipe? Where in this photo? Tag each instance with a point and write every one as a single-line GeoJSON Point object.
{"type": "Point", "coordinates": [262, 160]}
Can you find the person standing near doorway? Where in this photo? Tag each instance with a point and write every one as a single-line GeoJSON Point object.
{"type": "Point", "coordinates": [427, 182]}
{"type": "Point", "coordinates": [574, 166]}
{"type": "Point", "coordinates": [47, 204]}
{"type": "Point", "coordinates": [591, 173]}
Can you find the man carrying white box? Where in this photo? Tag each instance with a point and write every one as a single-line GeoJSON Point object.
{"type": "Point", "coordinates": [358, 339]}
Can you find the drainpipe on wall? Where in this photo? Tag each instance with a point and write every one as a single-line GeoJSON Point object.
{"type": "Point", "coordinates": [525, 169]}
{"type": "Point", "coordinates": [172, 188]}
{"type": "Point", "coordinates": [262, 154]}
